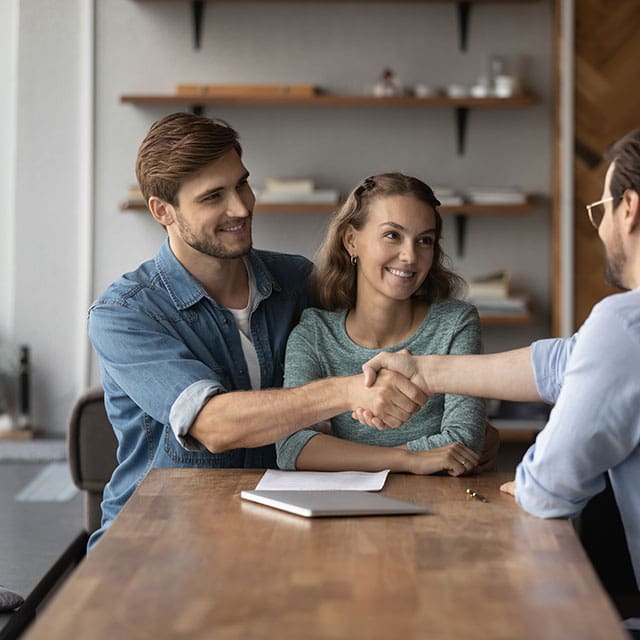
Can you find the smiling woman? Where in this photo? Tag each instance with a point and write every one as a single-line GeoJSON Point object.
{"type": "Point", "coordinates": [381, 283]}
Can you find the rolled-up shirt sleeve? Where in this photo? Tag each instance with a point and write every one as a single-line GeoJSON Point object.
{"type": "Point", "coordinates": [152, 366]}
{"type": "Point", "coordinates": [186, 408]}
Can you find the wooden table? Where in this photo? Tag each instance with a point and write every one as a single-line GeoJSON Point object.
{"type": "Point", "coordinates": [187, 558]}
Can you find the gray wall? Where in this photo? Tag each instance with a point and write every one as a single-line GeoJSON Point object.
{"type": "Point", "coordinates": [146, 47]}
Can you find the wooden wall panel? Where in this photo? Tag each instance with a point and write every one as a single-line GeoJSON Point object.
{"type": "Point", "coordinates": [607, 105]}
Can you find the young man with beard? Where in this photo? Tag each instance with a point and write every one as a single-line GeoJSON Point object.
{"type": "Point", "coordinates": [191, 343]}
{"type": "Point", "coordinates": [592, 377]}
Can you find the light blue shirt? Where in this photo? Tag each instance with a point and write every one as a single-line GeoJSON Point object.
{"type": "Point", "coordinates": [593, 378]}
{"type": "Point", "coordinates": [166, 347]}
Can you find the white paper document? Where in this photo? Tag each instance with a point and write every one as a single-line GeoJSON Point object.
{"type": "Point", "coordinates": [274, 480]}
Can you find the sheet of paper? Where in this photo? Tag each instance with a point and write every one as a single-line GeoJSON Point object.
{"type": "Point", "coordinates": [274, 480]}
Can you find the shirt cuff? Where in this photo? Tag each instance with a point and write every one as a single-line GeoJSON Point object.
{"type": "Point", "coordinates": [187, 407]}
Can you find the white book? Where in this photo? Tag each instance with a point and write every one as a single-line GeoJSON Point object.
{"type": "Point", "coordinates": [329, 196]}
{"type": "Point", "coordinates": [289, 185]}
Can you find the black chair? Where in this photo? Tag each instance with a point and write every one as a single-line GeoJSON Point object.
{"type": "Point", "coordinates": [92, 447]}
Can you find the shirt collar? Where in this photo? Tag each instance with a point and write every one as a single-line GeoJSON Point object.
{"type": "Point", "coordinates": [185, 290]}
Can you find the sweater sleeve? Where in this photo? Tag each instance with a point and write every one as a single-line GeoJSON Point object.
{"type": "Point", "coordinates": [301, 366]}
{"type": "Point", "coordinates": [463, 418]}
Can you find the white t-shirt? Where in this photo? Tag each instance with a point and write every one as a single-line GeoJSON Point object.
{"type": "Point", "coordinates": [242, 317]}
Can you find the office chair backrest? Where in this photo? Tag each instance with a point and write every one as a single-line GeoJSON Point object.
{"type": "Point", "coordinates": [92, 447]}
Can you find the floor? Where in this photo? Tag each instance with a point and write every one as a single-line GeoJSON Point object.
{"type": "Point", "coordinates": [40, 524]}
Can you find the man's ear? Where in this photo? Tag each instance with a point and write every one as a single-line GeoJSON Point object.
{"type": "Point", "coordinates": [162, 211]}
{"type": "Point", "coordinates": [631, 200]}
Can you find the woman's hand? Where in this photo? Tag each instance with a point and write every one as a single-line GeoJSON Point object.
{"type": "Point", "coordinates": [455, 459]}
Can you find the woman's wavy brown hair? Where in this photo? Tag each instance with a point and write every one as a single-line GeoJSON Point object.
{"type": "Point", "coordinates": [334, 277]}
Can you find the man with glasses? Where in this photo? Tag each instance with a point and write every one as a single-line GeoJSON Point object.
{"type": "Point", "coordinates": [592, 377]}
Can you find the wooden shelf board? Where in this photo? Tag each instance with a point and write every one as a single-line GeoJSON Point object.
{"type": "Point", "coordinates": [330, 100]}
{"type": "Point", "coordinates": [302, 208]}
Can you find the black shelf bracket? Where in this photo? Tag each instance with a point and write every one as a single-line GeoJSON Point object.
{"type": "Point", "coordinates": [461, 127]}
{"type": "Point", "coordinates": [197, 109]}
{"type": "Point", "coordinates": [461, 231]}
{"type": "Point", "coordinates": [198, 13]}
{"type": "Point", "coordinates": [464, 9]}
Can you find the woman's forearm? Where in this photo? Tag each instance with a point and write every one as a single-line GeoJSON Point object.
{"type": "Point", "coordinates": [328, 453]}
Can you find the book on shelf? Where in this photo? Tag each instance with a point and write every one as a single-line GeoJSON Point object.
{"type": "Point", "coordinates": [494, 286]}
{"type": "Point", "coordinates": [289, 185]}
{"type": "Point", "coordinates": [514, 305]}
{"type": "Point", "coordinates": [247, 90]}
{"type": "Point", "coordinates": [495, 195]}
{"type": "Point", "coordinates": [135, 197]}
{"type": "Point", "coordinates": [448, 197]}
{"type": "Point", "coordinates": [317, 196]}
{"type": "Point", "coordinates": [295, 190]}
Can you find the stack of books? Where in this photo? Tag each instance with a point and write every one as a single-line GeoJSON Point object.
{"type": "Point", "coordinates": [448, 197]}
{"type": "Point", "coordinates": [491, 294]}
{"type": "Point", "coordinates": [135, 197]}
{"type": "Point", "coordinates": [298, 190]}
{"type": "Point", "coordinates": [496, 195]}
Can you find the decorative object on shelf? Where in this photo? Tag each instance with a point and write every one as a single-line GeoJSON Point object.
{"type": "Point", "coordinates": [24, 388]}
{"type": "Point", "coordinates": [481, 89]}
{"type": "Point", "coordinates": [15, 393]}
{"type": "Point", "coordinates": [456, 90]}
{"type": "Point", "coordinates": [388, 85]}
{"type": "Point", "coordinates": [422, 90]}
{"type": "Point", "coordinates": [502, 84]}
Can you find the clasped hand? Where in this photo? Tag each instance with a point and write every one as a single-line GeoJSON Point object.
{"type": "Point", "coordinates": [403, 365]}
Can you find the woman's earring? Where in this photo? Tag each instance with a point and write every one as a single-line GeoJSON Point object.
{"type": "Point", "coordinates": [354, 260]}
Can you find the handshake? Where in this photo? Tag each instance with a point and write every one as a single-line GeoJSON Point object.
{"type": "Point", "coordinates": [401, 383]}
{"type": "Point", "coordinates": [402, 387]}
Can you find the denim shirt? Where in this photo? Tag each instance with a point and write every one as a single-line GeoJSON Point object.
{"type": "Point", "coordinates": [165, 347]}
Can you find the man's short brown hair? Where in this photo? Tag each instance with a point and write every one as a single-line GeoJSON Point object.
{"type": "Point", "coordinates": [178, 146]}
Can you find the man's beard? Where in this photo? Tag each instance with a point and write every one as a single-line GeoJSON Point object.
{"type": "Point", "coordinates": [209, 246]}
{"type": "Point", "coordinates": [615, 262]}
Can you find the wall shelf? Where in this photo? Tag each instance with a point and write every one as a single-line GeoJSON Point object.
{"type": "Point", "coordinates": [303, 208]}
{"type": "Point", "coordinates": [460, 105]}
{"type": "Point", "coordinates": [463, 11]}
{"type": "Point", "coordinates": [461, 212]}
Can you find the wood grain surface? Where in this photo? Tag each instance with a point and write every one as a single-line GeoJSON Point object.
{"type": "Point", "coordinates": [187, 558]}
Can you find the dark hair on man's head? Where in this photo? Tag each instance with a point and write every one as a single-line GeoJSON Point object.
{"type": "Point", "coordinates": [626, 155]}
{"type": "Point", "coordinates": [334, 277]}
{"type": "Point", "coordinates": [178, 146]}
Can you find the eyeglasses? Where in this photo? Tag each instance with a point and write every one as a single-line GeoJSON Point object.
{"type": "Point", "coordinates": [596, 210]}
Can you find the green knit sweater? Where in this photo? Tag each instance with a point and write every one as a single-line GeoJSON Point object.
{"type": "Point", "coordinates": [319, 347]}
